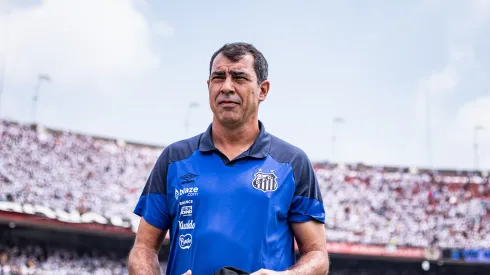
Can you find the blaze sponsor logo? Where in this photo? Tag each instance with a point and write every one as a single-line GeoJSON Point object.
{"type": "Point", "coordinates": [189, 191]}
{"type": "Point", "coordinates": [186, 210]}
{"type": "Point", "coordinates": [185, 241]}
{"type": "Point", "coordinates": [188, 225]}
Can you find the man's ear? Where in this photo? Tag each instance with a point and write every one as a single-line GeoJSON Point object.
{"type": "Point", "coordinates": [264, 90]}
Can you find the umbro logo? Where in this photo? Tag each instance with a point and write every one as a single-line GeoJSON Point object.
{"type": "Point", "coordinates": [188, 178]}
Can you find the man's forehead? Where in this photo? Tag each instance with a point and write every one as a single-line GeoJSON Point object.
{"type": "Point", "coordinates": [222, 63]}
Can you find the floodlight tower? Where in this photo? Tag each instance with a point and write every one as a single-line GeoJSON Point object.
{"type": "Point", "coordinates": [40, 79]}
{"type": "Point", "coordinates": [192, 105]}
{"type": "Point", "coordinates": [476, 129]}
{"type": "Point", "coordinates": [335, 121]}
{"type": "Point", "coordinates": [4, 58]}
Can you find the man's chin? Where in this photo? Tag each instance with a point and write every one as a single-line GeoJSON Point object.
{"type": "Point", "coordinates": [229, 121]}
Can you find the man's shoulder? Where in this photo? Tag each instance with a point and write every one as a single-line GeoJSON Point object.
{"type": "Point", "coordinates": [181, 149]}
{"type": "Point", "coordinates": [302, 168]}
{"type": "Point", "coordinates": [283, 151]}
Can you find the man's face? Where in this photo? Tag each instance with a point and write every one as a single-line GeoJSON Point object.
{"type": "Point", "coordinates": [234, 94]}
{"type": "Point", "coordinates": [3, 258]}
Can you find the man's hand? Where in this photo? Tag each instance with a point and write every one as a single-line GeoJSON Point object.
{"type": "Point", "coordinates": [189, 272]}
{"type": "Point", "coordinates": [143, 258]}
{"type": "Point", "coordinates": [269, 272]}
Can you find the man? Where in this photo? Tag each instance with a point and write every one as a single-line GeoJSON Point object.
{"type": "Point", "coordinates": [234, 195]}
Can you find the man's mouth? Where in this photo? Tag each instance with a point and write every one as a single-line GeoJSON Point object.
{"type": "Point", "coordinates": [228, 103]}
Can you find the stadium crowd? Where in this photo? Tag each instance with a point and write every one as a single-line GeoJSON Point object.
{"type": "Point", "coordinates": [369, 205]}
{"type": "Point", "coordinates": [30, 259]}
{"type": "Point", "coordinates": [67, 171]}
{"type": "Point", "coordinates": [377, 206]}
{"type": "Point", "coordinates": [42, 261]}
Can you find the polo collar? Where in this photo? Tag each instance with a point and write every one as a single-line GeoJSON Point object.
{"type": "Point", "coordinates": [259, 149]}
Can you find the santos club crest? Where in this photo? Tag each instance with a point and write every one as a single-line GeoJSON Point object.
{"type": "Point", "coordinates": [265, 182]}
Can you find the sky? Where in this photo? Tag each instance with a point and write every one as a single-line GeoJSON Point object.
{"type": "Point", "coordinates": [130, 68]}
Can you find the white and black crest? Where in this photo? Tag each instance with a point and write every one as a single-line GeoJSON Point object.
{"type": "Point", "coordinates": [265, 182]}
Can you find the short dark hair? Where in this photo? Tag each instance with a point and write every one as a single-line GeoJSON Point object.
{"type": "Point", "coordinates": [236, 51]}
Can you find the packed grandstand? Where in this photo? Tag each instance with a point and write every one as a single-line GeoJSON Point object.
{"type": "Point", "coordinates": [75, 174]}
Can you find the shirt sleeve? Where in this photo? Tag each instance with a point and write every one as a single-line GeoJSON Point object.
{"type": "Point", "coordinates": [307, 202]}
{"type": "Point", "coordinates": [152, 204]}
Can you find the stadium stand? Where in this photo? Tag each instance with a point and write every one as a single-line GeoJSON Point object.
{"type": "Point", "coordinates": [41, 251]}
{"type": "Point", "coordinates": [399, 207]}
{"type": "Point", "coordinates": [27, 251]}
{"type": "Point", "coordinates": [365, 205]}
{"type": "Point", "coordinates": [62, 170]}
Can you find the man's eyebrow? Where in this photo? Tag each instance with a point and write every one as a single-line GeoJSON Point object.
{"type": "Point", "coordinates": [233, 73]}
{"type": "Point", "coordinates": [238, 73]}
{"type": "Point", "coordinates": [218, 73]}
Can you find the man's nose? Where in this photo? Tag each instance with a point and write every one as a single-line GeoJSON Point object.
{"type": "Point", "coordinates": [227, 87]}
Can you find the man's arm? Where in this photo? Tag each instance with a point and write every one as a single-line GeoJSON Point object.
{"type": "Point", "coordinates": [143, 258]}
{"type": "Point", "coordinates": [307, 219]}
{"type": "Point", "coordinates": [306, 216]}
{"type": "Point", "coordinates": [312, 244]}
{"type": "Point", "coordinates": [155, 220]}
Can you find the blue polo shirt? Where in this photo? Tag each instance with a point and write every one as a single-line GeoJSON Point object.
{"type": "Point", "coordinates": [236, 212]}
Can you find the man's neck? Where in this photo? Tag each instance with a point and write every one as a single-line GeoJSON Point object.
{"type": "Point", "coordinates": [244, 135]}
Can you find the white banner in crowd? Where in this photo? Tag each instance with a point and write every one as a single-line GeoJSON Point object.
{"type": "Point", "coordinates": [70, 217]}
